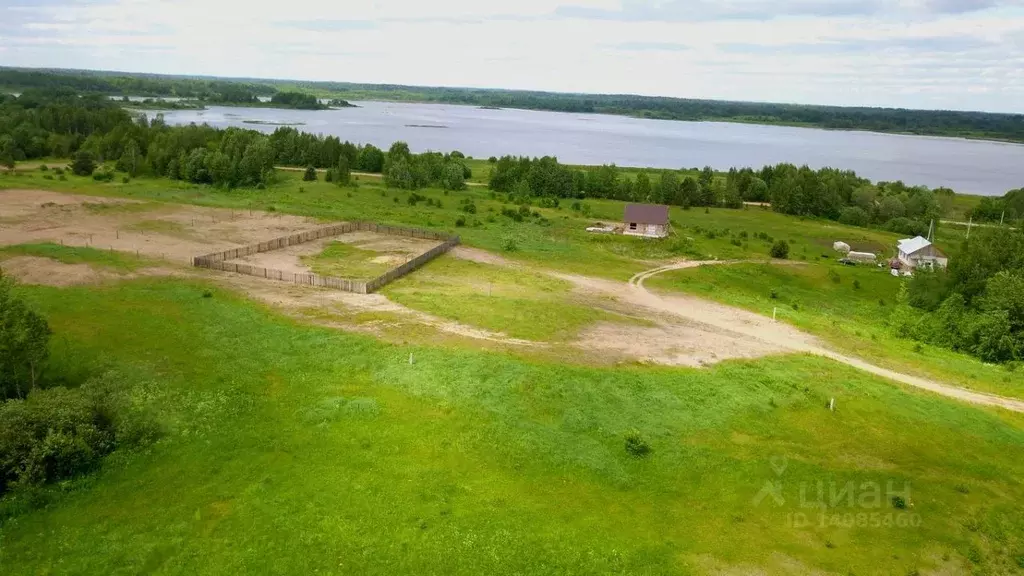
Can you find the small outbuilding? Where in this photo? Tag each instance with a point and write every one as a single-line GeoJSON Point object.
{"type": "Point", "coordinates": [647, 220]}
{"type": "Point", "coordinates": [920, 252]}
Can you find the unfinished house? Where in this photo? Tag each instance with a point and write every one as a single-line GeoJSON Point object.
{"type": "Point", "coordinates": [647, 220]}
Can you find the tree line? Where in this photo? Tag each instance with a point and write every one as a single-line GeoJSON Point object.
{"type": "Point", "coordinates": [976, 306]}
{"type": "Point", "coordinates": [931, 122]}
{"type": "Point", "coordinates": [838, 195]}
{"type": "Point", "coordinates": [61, 123]}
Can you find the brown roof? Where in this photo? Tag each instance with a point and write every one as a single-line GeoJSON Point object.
{"type": "Point", "coordinates": [646, 214]}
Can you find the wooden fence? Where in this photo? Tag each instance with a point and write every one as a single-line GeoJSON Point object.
{"type": "Point", "coordinates": [219, 260]}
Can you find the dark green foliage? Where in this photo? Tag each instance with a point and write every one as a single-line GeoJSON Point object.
{"type": "Point", "coordinates": [84, 164]}
{"type": "Point", "coordinates": [978, 305]}
{"type": "Point", "coordinates": [460, 222]}
{"type": "Point", "coordinates": [636, 444]}
{"type": "Point", "coordinates": [342, 173]}
{"type": "Point", "coordinates": [780, 250]}
{"type": "Point", "coordinates": [60, 433]}
{"type": "Point", "coordinates": [296, 100]}
{"type": "Point", "coordinates": [24, 337]}
{"type": "Point", "coordinates": [309, 175]}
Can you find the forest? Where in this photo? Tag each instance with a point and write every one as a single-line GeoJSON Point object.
{"type": "Point", "coordinates": [1009, 127]}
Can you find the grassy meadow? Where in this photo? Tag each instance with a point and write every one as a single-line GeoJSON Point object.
{"type": "Point", "coordinates": [295, 449]}
{"type": "Point", "coordinates": [290, 448]}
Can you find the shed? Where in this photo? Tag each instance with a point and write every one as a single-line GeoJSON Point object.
{"type": "Point", "coordinates": [647, 220]}
{"type": "Point", "coordinates": [839, 246]}
{"type": "Point", "coordinates": [917, 252]}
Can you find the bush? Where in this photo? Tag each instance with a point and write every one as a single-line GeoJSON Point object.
{"type": "Point", "coordinates": [103, 176]}
{"type": "Point", "coordinates": [899, 503]}
{"type": "Point", "coordinates": [60, 433]}
{"type": "Point", "coordinates": [125, 180]}
{"type": "Point", "coordinates": [47, 176]}
{"type": "Point", "coordinates": [856, 284]}
{"type": "Point", "coordinates": [84, 164]}
{"type": "Point", "coordinates": [834, 277]}
{"type": "Point", "coordinates": [509, 244]}
{"type": "Point", "coordinates": [854, 216]}
{"type": "Point", "coordinates": [43, 168]}
{"type": "Point", "coordinates": [309, 175]}
{"type": "Point", "coordinates": [780, 250]}
{"type": "Point", "coordinates": [460, 222]}
{"type": "Point", "coordinates": [58, 171]}
{"type": "Point", "coordinates": [62, 177]}
{"type": "Point", "coordinates": [636, 445]}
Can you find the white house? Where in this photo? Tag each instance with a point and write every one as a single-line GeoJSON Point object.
{"type": "Point", "coordinates": [915, 252]}
{"type": "Point", "coordinates": [647, 220]}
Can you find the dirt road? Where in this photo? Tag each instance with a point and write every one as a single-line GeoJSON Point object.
{"type": "Point", "coordinates": [781, 335]}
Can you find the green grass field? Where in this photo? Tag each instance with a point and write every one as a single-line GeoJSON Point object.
{"type": "Point", "coordinates": [343, 260]}
{"type": "Point", "coordinates": [293, 449]}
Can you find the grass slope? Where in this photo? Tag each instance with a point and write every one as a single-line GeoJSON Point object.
{"type": "Point", "coordinates": [847, 306]}
{"type": "Point", "coordinates": [294, 449]}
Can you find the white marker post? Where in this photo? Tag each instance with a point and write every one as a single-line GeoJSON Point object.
{"type": "Point", "coordinates": [774, 312]}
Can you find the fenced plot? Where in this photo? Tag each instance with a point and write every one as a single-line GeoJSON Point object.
{"type": "Point", "coordinates": [221, 260]}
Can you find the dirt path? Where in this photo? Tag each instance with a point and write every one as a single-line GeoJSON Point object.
{"type": "Point", "coordinates": [761, 328]}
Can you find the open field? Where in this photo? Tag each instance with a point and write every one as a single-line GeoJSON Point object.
{"type": "Point", "coordinates": [471, 417]}
{"type": "Point", "coordinates": [301, 449]}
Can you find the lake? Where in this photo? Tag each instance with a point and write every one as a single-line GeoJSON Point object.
{"type": "Point", "coordinates": [966, 166]}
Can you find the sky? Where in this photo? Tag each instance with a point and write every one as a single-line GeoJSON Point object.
{"type": "Point", "coordinates": [947, 54]}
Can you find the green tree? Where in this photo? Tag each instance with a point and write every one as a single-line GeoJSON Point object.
{"type": "Point", "coordinates": [642, 187]}
{"type": "Point", "coordinates": [689, 192]}
{"type": "Point", "coordinates": [83, 164]}
{"type": "Point", "coordinates": [342, 175]}
{"type": "Point", "coordinates": [780, 249]}
{"type": "Point", "coordinates": [453, 176]}
{"type": "Point", "coordinates": [667, 191]}
{"type": "Point", "coordinates": [130, 159]}
{"type": "Point", "coordinates": [370, 159]}
{"type": "Point", "coordinates": [309, 175]}
{"type": "Point", "coordinates": [24, 337]}
{"type": "Point", "coordinates": [398, 174]}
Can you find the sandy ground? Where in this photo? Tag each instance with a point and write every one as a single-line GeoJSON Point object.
{"type": "Point", "coordinates": [687, 330]}
{"type": "Point", "coordinates": [173, 232]}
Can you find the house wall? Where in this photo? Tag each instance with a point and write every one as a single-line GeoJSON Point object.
{"type": "Point", "coordinates": [645, 230]}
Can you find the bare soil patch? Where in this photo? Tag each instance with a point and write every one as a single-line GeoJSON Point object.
{"type": "Point", "coordinates": [47, 272]}
{"type": "Point", "coordinates": [135, 227]}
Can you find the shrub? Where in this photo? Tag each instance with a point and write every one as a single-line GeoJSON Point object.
{"type": "Point", "coordinates": [261, 186]}
{"type": "Point", "coordinates": [492, 160]}
{"type": "Point", "coordinates": [636, 445]}
{"type": "Point", "coordinates": [899, 503]}
{"type": "Point", "coordinates": [103, 176]}
{"type": "Point", "coordinates": [47, 176]}
{"type": "Point", "coordinates": [834, 277]}
{"type": "Point", "coordinates": [60, 433]}
{"type": "Point", "coordinates": [43, 168]}
{"type": "Point", "coordinates": [62, 177]}
{"type": "Point", "coordinates": [84, 164]}
{"type": "Point", "coordinates": [780, 250]}
{"type": "Point", "coordinates": [469, 208]}
{"type": "Point", "coordinates": [125, 180]}
{"type": "Point", "coordinates": [774, 295]}
{"type": "Point", "coordinates": [509, 244]}
{"type": "Point", "coordinates": [460, 222]}
{"type": "Point", "coordinates": [856, 284]}
{"type": "Point", "coordinates": [309, 175]}
{"type": "Point", "coordinates": [58, 171]}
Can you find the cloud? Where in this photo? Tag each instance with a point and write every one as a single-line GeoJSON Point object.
{"type": "Point", "coordinates": [328, 25]}
{"type": "Point", "coordinates": [705, 10]}
{"type": "Point", "coordinates": [931, 53]}
{"type": "Point", "coordinates": [649, 46]}
{"type": "Point", "coordinates": [961, 6]}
